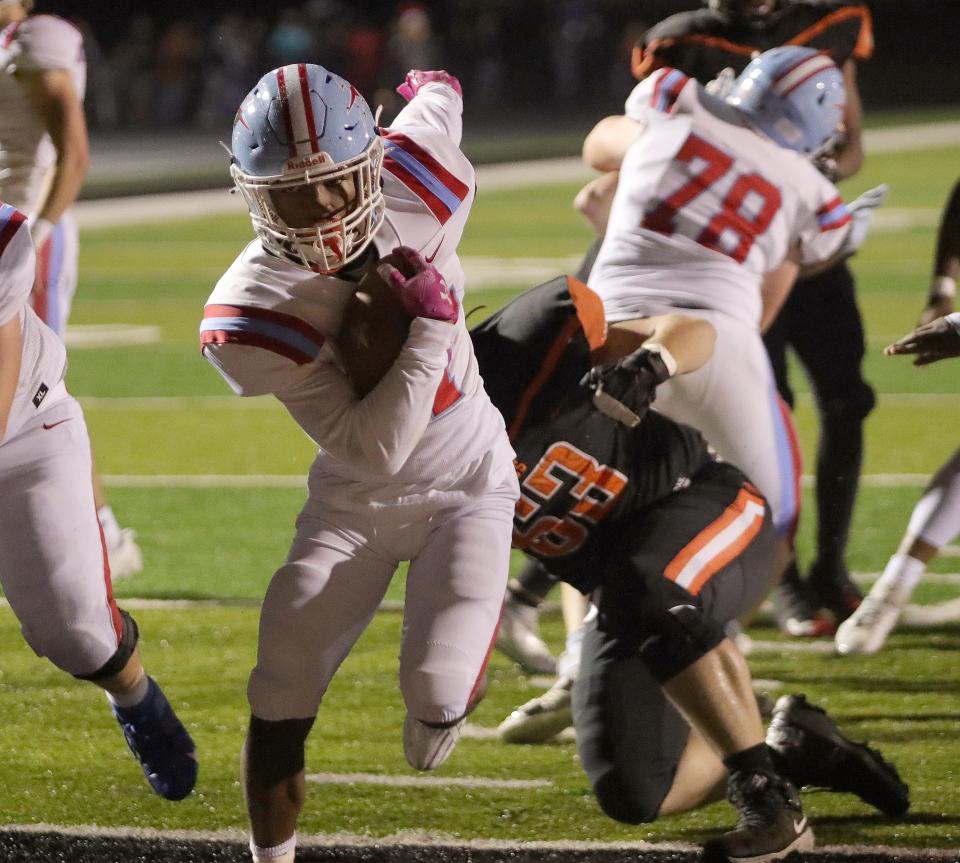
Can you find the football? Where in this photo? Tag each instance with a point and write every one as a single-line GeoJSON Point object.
{"type": "Point", "coordinates": [375, 326]}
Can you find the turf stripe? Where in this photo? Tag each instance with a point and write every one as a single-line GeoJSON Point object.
{"type": "Point", "coordinates": [44, 842]}
{"type": "Point", "coordinates": [418, 781]}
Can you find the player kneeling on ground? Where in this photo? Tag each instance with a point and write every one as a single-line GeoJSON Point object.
{"type": "Point", "coordinates": [634, 509]}
{"type": "Point", "coordinates": [54, 572]}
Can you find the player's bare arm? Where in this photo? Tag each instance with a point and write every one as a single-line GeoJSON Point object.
{"type": "Point", "coordinates": [55, 99]}
{"type": "Point", "coordinates": [11, 349]}
{"type": "Point", "coordinates": [688, 341]}
{"type": "Point", "coordinates": [608, 141]}
{"type": "Point", "coordinates": [946, 265]}
{"type": "Point", "coordinates": [594, 200]}
{"type": "Point", "coordinates": [776, 287]}
{"type": "Point", "coordinates": [849, 157]}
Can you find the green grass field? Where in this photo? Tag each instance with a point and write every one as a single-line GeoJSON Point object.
{"type": "Point", "coordinates": [61, 757]}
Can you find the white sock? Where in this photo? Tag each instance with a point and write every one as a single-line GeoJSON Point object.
{"type": "Point", "coordinates": [133, 696]}
{"type": "Point", "coordinates": [282, 853]}
{"type": "Point", "coordinates": [902, 573]}
{"type": "Point", "coordinates": [110, 525]}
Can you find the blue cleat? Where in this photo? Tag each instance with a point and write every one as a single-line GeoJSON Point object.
{"type": "Point", "coordinates": [160, 743]}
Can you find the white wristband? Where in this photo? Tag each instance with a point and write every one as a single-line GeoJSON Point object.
{"type": "Point", "coordinates": [665, 355]}
{"type": "Point", "coordinates": [943, 286]}
{"type": "Point", "coordinates": [954, 320]}
{"type": "Point", "coordinates": [40, 230]}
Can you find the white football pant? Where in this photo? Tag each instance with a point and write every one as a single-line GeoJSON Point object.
{"type": "Point", "coordinates": [52, 560]}
{"type": "Point", "coordinates": [336, 574]}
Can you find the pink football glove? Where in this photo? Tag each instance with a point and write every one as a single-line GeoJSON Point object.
{"type": "Point", "coordinates": [425, 294]}
{"type": "Point", "coordinates": [416, 79]}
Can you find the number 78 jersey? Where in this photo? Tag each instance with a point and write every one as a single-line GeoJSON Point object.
{"type": "Point", "coordinates": [705, 206]}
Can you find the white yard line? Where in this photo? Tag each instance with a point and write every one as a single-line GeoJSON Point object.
{"type": "Point", "coordinates": [459, 849]}
{"type": "Point", "coordinates": [419, 781]}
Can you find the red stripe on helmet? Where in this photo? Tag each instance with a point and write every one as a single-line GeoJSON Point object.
{"type": "Point", "coordinates": [308, 108]}
{"type": "Point", "coordinates": [285, 109]}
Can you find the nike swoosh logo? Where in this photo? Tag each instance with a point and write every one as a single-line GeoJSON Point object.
{"type": "Point", "coordinates": [437, 249]}
{"type": "Point", "coordinates": [800, 825]}
{"type": "Point", "coordinates": [49, 426]}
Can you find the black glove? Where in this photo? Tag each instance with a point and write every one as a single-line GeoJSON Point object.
{"type": "Point", "coordinates": [624, 390]}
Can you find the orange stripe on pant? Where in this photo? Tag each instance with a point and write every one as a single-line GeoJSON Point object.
{"type": "Point", "coordinates": [718, 543]}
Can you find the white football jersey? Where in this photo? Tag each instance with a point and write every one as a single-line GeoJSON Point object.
{"type": "Point", "coordinates": [27, 155]}
{"type": "Point", "coordinates": [43, 359]}
{"type": "Point", "coordinates": [271, 326]}
{"type": "Point", "coordinates": [705, 206]}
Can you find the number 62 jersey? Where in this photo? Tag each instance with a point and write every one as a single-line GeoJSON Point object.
{"type": "Point", "coordinates": [705, 206]}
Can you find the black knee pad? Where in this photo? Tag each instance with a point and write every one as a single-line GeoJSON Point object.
{"type": "Point", "coordinates": [677, 638]}
{"type": "Point", "coordinates": [274, 750]}
{"type": "Point", "coordinates": [129, 636]}
{"type": "Point", "coordinates": [629, 804]}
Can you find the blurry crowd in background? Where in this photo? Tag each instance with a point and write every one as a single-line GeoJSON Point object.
{"type": "Point", "coordinates": [183, 72]}
{"type": "Point", "coordinates": [177, 63]}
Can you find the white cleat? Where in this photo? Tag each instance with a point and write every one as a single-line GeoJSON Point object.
{"type": "Point", "coordinates": [126, 559]}
{"type": "Point", "coordinates": [542, 718]}
{"type": "Point", "coordinates": [426, 747]}
{"type": "Point", "coordinates": [866, 630]}
{"type": "Point", "coordinates": [519, 638]}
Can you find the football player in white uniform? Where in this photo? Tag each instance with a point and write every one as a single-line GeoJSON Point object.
{"type": "Point", "coordinates": [53, 566]}
{"type": "Point", "coordinates": [935, 519]}
{"type": "Point", "coordinates": [44, 155]}
{"type": "Point", "coordinates": [419, 468]}
{"type": "Point", "coordinates": [717, 208]}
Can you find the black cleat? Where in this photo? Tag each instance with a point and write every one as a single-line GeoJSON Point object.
{"type": "Point", "coordinates": [835, 591]}
{"type": "Point", "coordinates": [809, 749]}
{"type": "Point", "coordinates": [771, 824]}
{"type": "Point", "coordinates": [797, 614]}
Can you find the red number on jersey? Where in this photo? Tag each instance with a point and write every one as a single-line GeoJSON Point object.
{"type": "Point", "coordinates": [731, 220]}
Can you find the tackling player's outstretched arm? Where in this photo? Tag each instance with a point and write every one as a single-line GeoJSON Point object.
{"type": "Point", "coordinates": [641, 354]}
{"type": "Point", "coordinates": [54, 97]}
{"type": "Point", "coordinates": [686, 340]}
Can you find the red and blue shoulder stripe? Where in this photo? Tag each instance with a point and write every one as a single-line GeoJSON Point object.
{"type": "Point", "coordinates": [832, 215]}
{"type": "Point", "coordinates": [10, 221]}
{"type": "Point", "coordinates": [423, 174]}
{"type": "Point", "coordinates": [667, 89]}
{"type": "Point", "coordinates": [280, 333]}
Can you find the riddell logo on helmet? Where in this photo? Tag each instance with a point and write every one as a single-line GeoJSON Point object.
{"type": "Point", "coordinates": [303, 162]}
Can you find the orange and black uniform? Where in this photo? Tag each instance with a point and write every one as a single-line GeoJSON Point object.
{"type": "Point", "coordinates": [704, 42]}
{"type": "Point", "coordinates": [645, 518]}
{"type": "Point", "coordinates": [820, 319]}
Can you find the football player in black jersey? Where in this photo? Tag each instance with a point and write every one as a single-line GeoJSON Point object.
{"type": "Point", "coordinates": [672, 543]}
